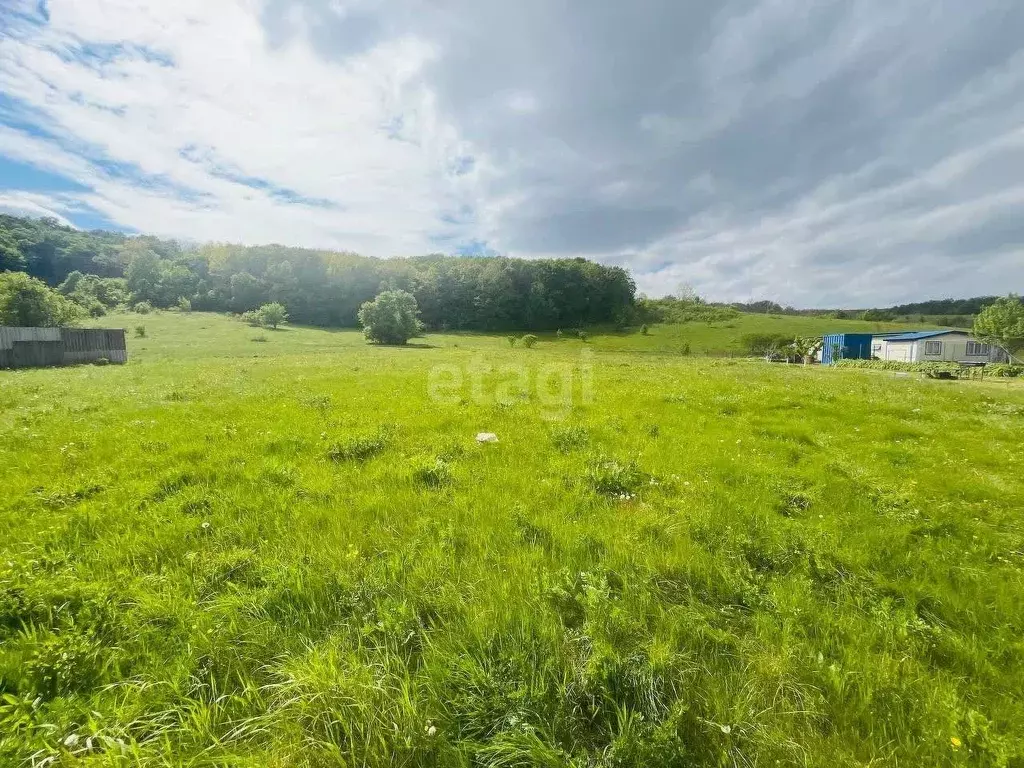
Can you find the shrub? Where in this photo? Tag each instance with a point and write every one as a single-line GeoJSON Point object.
{"type": "Point", "coordinates": [762, 344]}
{"type": "Point", "coordinates": [1005, 370]}
{"type": "Point", "coordinates": [65, 663]}
{"type": "Point", "coordinates": [558, 333]}
{"type": "Point", "coordinates": [261, 339]}
{"type": "Point", "coordinates": [142, 308]}
{"type": "Point", "coordinates": [528, 341]}
{"type": "Point", "coordinates": [101, 361]}
{"type": "Point", "coordinates": [184, 304]}
{"type": "Point", "coordinates": [930, 369]}
{"type": "Point", "coordinates": [140, 331]}
{"type": "Point", "coordinates": [643, 329]}
{"type": "Point", "coordinates": [612, 478]}
{"type": "Point", "coordinates": [433, 473]}
{"type": "Point", "coordinates": [26, 301]}
{"type": "Point", "coordinates": [511, 341]}
{"type": "Point", "coordinates": [358, 448]}
{"type": "Point", "coordinates": [583, 335]}
{"type": "Point", "coordinates": [391, 318]}
{"type": "Point", "coordinates": [567, 439]}
{"type": "Point", "coordinates": [252, 318]}
{"type": "Point", "coordinates": [272, 314]}
{"type": "Point", "coordinates": [685, 349]}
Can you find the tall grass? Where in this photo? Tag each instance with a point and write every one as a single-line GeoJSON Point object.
{"type": "Point", "coordinates": [210, 558]}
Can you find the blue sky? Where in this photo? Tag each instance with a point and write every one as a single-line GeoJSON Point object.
{"type": "Point", "coordinates": [816, 153]}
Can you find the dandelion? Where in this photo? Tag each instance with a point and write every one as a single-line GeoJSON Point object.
{"type": "Point", "coordinates": [955, 743]}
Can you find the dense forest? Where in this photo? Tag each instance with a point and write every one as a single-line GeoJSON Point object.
{"type": "Point", "coordinates": [100, 270]}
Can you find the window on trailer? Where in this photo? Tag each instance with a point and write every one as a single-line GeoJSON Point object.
{"type": "Point", "coordinates": [933, 347]}
{"type": "Point", "coordinates": [977, 349]}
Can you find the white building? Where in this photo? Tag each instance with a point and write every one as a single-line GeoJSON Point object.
{"type": "Point", "coordinates": [934, 346]}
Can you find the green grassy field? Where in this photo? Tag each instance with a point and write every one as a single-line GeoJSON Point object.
{"type": "Point", "coordinates": [293, 552]}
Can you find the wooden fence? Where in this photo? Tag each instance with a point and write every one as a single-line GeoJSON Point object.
{"type": "Point", "coordinates": [41, 347]}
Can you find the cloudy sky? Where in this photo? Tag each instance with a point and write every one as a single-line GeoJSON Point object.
{"type": "Point", "coordinates": [857, 152]}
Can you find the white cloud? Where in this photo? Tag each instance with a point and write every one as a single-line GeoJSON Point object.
{"type": "Point", "coordinates": [30, 204]}
{"type": "Point", "coordinates": [813, 153]}
{"type": "Point", "coordinates": [232, 140]}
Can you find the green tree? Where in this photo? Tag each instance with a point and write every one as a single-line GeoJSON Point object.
{"type": "Point", "coordinates": [1002, 324]}
{"type": "Point", "coordinates": [143, 275]}
{"type": "Point", "coordinates": [391, 318]}
{"type": "Point", "coordinates": [273, 314]}
{"type": "Point", "coordinates": [10, 255]}
{"type": "Point", "coordinates": [27, 301]}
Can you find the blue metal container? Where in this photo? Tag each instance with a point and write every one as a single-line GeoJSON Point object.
{"type": "Point", "coordinates": [846, 346]}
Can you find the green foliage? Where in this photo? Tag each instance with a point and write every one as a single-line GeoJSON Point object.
{"type": "Point", "coordinates": [1004, 370]}
{"type": "Point", "coordinates": [184, 305]}
{"type": "Point", "coordinates": [26, 301]}
{"type": "Point", "coordinates": [359, 448]}
{"type": "Point", "coordinates": [899, 365]}
{"type": "Point", "coordinates": [432, 473]}
{"type": "Point", "coordinates": [762, 344]}
{"type": "Point", "coordinates": [674, 310]}
{"type": "Point", "coordinates": [325, 288]}
{"type": "Point", "coordinates": [1002, 324]}
{"type": "Point", "coordinates": [614, 478]}
{"type": "Point", "coordinates": [877, 315]}
{"type": "Point", "coordinates": [643, 329]}
{"type": "Point", "coordinates": [391, 318]}
{"type": "Point", "coordinates": [140, 331]}
{"type": "Point", "coordinates": [529, 341]}
{"type": "Point", "coordinates": [272, 315]}
{"type": "Point", "coordinates": [252, 318]}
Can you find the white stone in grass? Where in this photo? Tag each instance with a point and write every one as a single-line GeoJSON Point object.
{"type": "Point", "coordinates": [486, 437]}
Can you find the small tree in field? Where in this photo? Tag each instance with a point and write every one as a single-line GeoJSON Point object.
{"type": "Point", "coordinates": [391, 318]}
{"type": "Point", "coordinates": [26, 301]}
{"type": "Point", "coordinates": [1002, 324]}
{"type": "Point", "coordinates": [273, 314]}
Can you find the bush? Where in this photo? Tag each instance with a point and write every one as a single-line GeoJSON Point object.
{"type": "Point", "coordinates": [433, 473]}
{"type": "Point", "coordinates": [511, 341]}
{"type": "Point", "coordinates": [761, 344]}
{"type": "Point", "coordinates": [611, 478]}
{"type": "Point", "coordinates": [142, 308]}
{"type": "Point", "coordinates": [272, 315]}
{"type": "Point", "coordinates": [391, 318]}
{"type": "Point", "coordinates": [1005, 370]}
{"type": "Point", "coordinates": [184, 304]}
{"type": "Point", "coordinates": [358, 448]}
{"type": "Point", "coordinates": [140, 331]}
{"type": "Point", "coordinates": [252, 318]}
{"type": "Point", "coordinates": [529, 341]}
{"type": "Point", "coordinates": [930, 369]}
{"type": "Point", "coordinates": [567, 439]}
{"type": "Point", "coordinates": [583, 335]}
{"type": "Point", "coordinates": [28, 302]}
{"type": "Point", "coordinates": [643, 330]}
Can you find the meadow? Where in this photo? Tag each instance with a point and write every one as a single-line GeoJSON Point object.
{"type": "Point", "coordinates": [251, 547]}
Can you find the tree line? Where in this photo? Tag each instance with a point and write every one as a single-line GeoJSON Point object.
{"type": "Point", "coordinates": [100, 270]}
